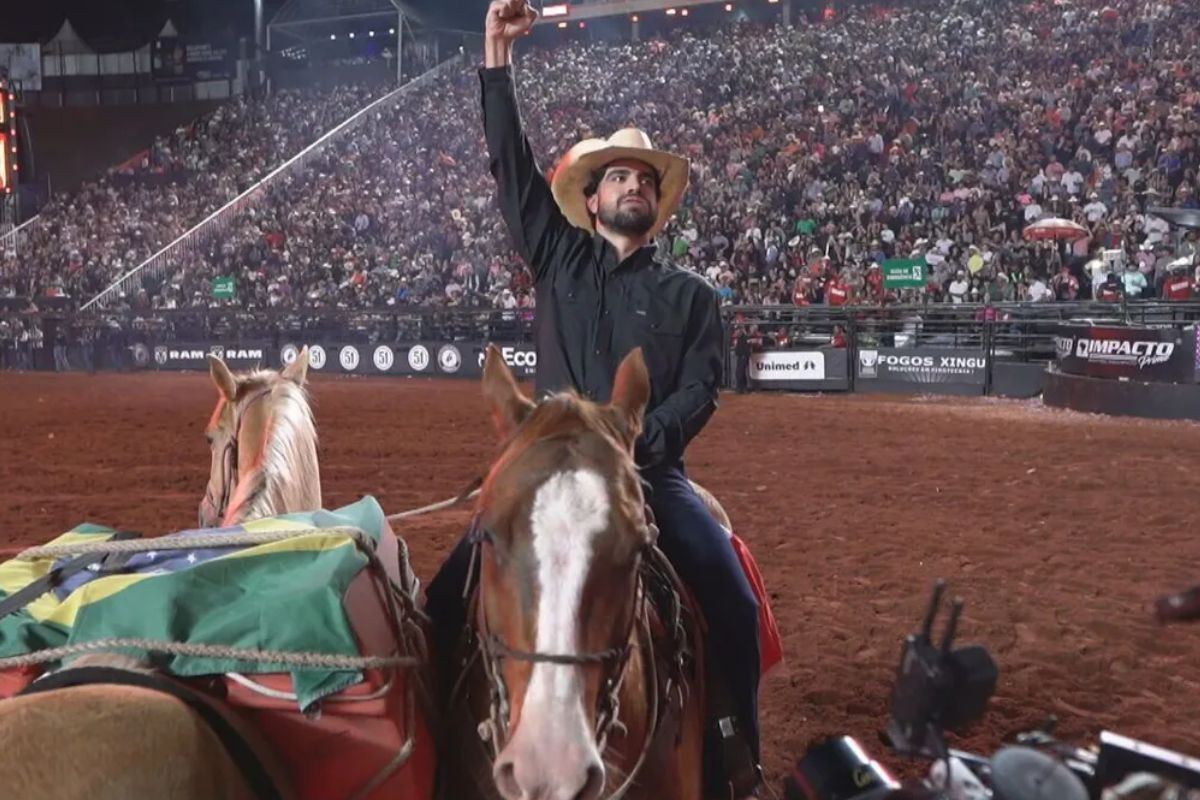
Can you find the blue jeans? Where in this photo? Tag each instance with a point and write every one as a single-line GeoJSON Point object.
{"type": "Point", "coordinates": [701, 553]}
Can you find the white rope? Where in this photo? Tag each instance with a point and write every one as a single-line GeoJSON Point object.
{"type": "Point", "coordinates": [276, 694]}
{"type": "Point", "coordinates": [199, 541]}
{"type": "Point", "coordinates": [284, 658]}
{"type": "Point", "coordinates": [432, 507]}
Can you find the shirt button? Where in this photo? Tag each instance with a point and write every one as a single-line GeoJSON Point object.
{"type": "Point", "coordinates": [597, 352]}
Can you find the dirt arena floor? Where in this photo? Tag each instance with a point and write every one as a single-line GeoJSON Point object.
{"type": "Point", "coordinates": [1058, 529]}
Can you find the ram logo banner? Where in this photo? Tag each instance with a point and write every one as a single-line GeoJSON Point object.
{"type": "Point", "coordinates": [217, 351]}
{"type": "Point", "coordinates": [160, 355]}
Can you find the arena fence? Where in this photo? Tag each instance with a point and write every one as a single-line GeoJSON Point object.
{"type": "Point", "coordinates": [955, 349]}
{"type": "Point", "coordinates": [177, 252]}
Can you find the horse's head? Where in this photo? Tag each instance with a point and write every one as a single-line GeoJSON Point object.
{"type": "Point", "coordinates": [562, 518]}
{"type": "Point", "coordinates": [263, 445]}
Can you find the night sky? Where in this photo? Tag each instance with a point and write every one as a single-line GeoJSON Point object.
{"type": "Point", "coordinates": [115, 25]}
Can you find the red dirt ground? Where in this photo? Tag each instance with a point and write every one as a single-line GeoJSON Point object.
{"type": "Point", "coordinates": [1058, 529]}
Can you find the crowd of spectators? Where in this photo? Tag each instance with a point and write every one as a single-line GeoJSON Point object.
{"type": "Point", "coordinates": [818, 151]}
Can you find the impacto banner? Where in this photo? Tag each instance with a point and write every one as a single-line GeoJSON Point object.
{"type": "Point", "coordinates": [1143, 354]}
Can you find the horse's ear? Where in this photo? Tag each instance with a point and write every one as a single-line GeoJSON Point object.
{"type": "Point", "coordinates": [631, 391]}
{"type": "Point", "coordinates": [223, 379]}
{"type": "Point", "coordinates": [297, 371]}
{"type": "Point", "coordinates": [509, 406]}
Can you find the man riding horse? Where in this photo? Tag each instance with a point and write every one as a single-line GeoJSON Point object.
{"type": "Point", "coordinates": [603, 290]}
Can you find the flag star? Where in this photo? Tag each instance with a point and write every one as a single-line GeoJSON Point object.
{"type": "Point", "coordinates": [94, 567]}
{"type": "Point", "coordinates": [191, 558]}
{"type": "Point", "coordinates": [153, 554]}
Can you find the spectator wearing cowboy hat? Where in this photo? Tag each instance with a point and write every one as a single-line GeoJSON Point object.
{"type": "Point", "coordinates": [603, 290]}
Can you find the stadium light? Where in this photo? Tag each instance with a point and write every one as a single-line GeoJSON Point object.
{"type": "Point", "coordinates": [351, 34]}
{"type": "Point", "coordinates": [670, 12]}
{"type": "Point", "coordinates": [557, 10]}
{"type": "Point", "coordinates": [729, 6]}
{"type": "Point", "coordinates": [684, 12]}
{"type": "Point", "coordinates": [391, 31]}
{"type": "Point", "coordinates": [332, 37]}
{"type": "Point", "coordinates": [562, 24]}
{"type": "Point", "coordinates": [634, 18]}
{"type": "Point", "coordinates": [370, 33]}
{"type": "Point", "coordinates": [582, 24]}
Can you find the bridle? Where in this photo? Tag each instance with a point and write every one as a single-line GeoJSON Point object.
{"type": "Point", "coordinates": [494, 649]}
{"type": "Point", "coordinates": [229, 455]}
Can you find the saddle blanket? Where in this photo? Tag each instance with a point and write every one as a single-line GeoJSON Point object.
{"type": "Point", "coordinates": [287, 595]}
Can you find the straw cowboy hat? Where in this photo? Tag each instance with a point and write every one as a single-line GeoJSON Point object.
{"type": "Point", "coordinates": [574, 172]}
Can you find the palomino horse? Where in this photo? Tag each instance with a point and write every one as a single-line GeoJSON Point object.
{"type": "Point", "coordinates": [264, 446]}
{"type": "Point", "coordinates": [582, 673]}
{"type": "Point", "coordinates": [111, 742]}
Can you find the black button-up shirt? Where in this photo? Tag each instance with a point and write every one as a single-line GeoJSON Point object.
{"type": "Point", "coordinates": [592, 310]}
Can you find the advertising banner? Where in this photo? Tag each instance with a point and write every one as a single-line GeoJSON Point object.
{"type": "Point", "coordinates": [788, 365]}
{"type": "Point", "coordinates": [927, 365]}
{"type": "Point", "coordinates": [175, 60]}
{"type": "Point", "coordinates": [432, 358]}
{"type": "Point", "coordinates": [903, 273]}
{"type": "Point", "coordinates": [1144, 354]}
{"type": "Point", "coordinates": [194, 355]}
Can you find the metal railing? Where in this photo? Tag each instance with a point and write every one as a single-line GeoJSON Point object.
{"type": "Point", "coordinates": [220, 219]}
{"type": "Point", "coordinates": [11, 239]}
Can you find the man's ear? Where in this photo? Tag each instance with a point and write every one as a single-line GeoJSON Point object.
{"type": "Point", "coordinates": [222, 378]}
{"type": "Point", "coordinates": [631, 392]}
{"type": "Point", "coordinates": [297, 371]}
{"type": "Point", "coordinates": [509, 406]}
{"type": "Point", "coordinates": [593, 203]}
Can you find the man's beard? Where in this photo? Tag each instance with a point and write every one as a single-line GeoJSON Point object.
{"type": "Point", "coordinates": [631, 220]}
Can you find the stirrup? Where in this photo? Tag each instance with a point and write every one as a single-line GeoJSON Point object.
{"type": "Point", "coordinates": [741, 776]}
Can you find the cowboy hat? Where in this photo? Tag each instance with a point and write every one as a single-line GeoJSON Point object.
{"type": "Point", "coordinates": [574, 173]}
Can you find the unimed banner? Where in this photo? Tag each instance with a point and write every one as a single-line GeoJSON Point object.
{"type": "Point", "coordinates": [1144, 354]}
{"type": "Point", "coordinates": [930, 365]}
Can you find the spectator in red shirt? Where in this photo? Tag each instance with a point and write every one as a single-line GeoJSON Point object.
{"type": "Point", "coordinates": [1064, 284]}
{"type": "Point", "coordinates": [802, 291]}
{"type": "Point", "coordinates": [837, 293]}
{"type": "Point", "coordinates": [839, 337]}
{"type": "Point", "coordinates": [1110, 290]}
{"type": "Point", "coordinates": [1178, 286]}
{"type": "Point", "coordinates": [874, 281]}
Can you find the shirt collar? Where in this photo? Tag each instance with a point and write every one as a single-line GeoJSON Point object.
{"type": "Point", "coordinates": [606, 255]}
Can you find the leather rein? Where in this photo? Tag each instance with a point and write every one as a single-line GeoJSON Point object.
{"type": "Point", "coordinates": [229, 455]}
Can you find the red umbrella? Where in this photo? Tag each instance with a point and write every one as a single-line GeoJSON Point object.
{"type": "Point", "coordinates": [1055, 228]}
{"type": "Point", "coordinates": [1109, 14]}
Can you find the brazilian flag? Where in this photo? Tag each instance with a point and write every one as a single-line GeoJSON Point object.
{"type": "Point", "coordinates": [285, 595]}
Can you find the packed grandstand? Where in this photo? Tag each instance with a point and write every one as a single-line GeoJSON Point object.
{"type": "Point", "coordinates": [818, 151]}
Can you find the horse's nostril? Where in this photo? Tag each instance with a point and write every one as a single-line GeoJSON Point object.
{"type": "Point", "coordinates": [593, 785]}
{"type": "Point", "coordinates": [506, 781]}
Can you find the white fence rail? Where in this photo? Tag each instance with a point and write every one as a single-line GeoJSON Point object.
{"type": "Point", "coordinates": [11, 239]}
{"type": "Point", "coordinates": [219, 220]}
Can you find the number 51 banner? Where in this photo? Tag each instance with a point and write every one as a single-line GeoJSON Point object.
{"type": "Point", "coordinates": [904, 273]}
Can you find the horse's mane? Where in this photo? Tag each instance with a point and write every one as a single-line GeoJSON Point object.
{"type": "Point", "coordinates": [290, 453]}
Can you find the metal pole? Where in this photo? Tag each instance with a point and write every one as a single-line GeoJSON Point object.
{"type": "Point", "coordinates": [400, 49]}
{"type": "Point", "coordinates": [258, 44]}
